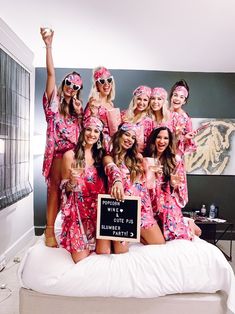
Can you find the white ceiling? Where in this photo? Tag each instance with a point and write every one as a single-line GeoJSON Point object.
{"type": "Point", "coordinates": [174, 35]}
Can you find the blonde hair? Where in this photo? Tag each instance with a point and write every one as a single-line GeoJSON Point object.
{"type": "Point", "coordinates": [94, 90]}
{"type": "Point", "coordinates": [165, 112]}
{"type": "Point", "coordinates": [130, 115]}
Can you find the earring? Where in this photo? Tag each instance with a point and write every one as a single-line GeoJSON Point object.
{"type": "Point", "coordinates": [83, 143]}
{"type": "Point", "coordinates": [99, 145]}
{"type": "Point", "coordinates": [61, 97]}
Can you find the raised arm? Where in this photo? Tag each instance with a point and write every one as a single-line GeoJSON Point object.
{"type": "Point", "coordinates": [48, 38]}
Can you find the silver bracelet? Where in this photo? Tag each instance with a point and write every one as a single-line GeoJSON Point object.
{"type": "Point", "coordinates": [117, 180]}
{"type": "Point", "coordinates": [48, 47]}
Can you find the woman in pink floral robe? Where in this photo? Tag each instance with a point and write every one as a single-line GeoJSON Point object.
{"type": "Point", "coordinates": [83, 179]}
{"type": "Point", "coordinates": [182, 122]}
{"type": "Point", "coordinates": [63, 111]}
{"type": "Point", "coordinates": [137, 113]}
{"type": "Point", "coordinates": [158, 109]}
{"type": "Point", "coordinates": [101, 104]}
{"type": "Point", "coordinates": [169, 195]}
{"type": "Point", "coordinates": [126, 177]}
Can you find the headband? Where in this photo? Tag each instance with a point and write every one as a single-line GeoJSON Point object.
{"type": "Point", "coordinates": [142, 90]}
{"type": "Point", "coordinates": [159, 91]}
{"type": "Point", "coordinates": [101, 72]}
{"type": "Point", "coordinates": [127, 126]}
{"type": "Point", "coordinates": [182, 89]}
{"type": "Point", "coordinates": [75, 79]}
{"type": "Point", "coordinates": [93, 121]}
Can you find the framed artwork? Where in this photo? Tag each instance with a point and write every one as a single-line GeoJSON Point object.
{"type": "Point", "coordinates": [215, 148]}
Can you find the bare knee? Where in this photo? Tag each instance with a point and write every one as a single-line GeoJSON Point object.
{"type": "Point", "coordinates": [120, 247]}
{"type": "Point", "coordinates": [152, 235]}
{"type": "Point", "coordinates": [103, 246]}
{"type": "Point", "coordinates": [78, 256]}
{"type": "Point", "coordinates": [55, 174]}
{"type": "Point", "coordinates": [103, 251]}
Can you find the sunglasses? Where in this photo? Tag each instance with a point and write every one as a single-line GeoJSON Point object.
{"type": "Point", "coordinates": [70, 84]}
{"type": "Point", "coordinates": [107, 81]}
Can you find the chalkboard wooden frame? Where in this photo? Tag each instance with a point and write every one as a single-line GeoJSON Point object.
{"type": "Point", "coordinates": [125, 227]}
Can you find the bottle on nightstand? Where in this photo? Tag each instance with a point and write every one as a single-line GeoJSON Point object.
{"type": "Point", "coordinates": [203, 210]}
{"type": "Point", "coordinates": [212, 212]}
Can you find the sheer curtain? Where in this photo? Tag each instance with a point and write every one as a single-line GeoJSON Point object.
{"type": "Point", "coordinates": [14, 131]}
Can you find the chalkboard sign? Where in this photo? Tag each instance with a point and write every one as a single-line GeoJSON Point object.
{"type": "Point", "coordinates": [118, 221]}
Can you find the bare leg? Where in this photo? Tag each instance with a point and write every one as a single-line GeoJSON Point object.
{"type": "Point", "coordinates": [53, 201]}
{"type": "Point", "coordinates": [78, 256]}
{"type": "Point", "coordinates": [152, 235]}
{"type": "Point", "coordinates": [103, 246]}
{"type": "Point", "coordinates": [120, 247]}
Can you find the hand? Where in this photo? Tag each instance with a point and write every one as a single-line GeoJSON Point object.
{"type": "Point", "coordinates": [47, 36]}
{"type": "Point", "coordinates": [157, 168]}
{"type": "Point", "coordinates": [76, 172]}
{"type": "Point", "coordinates": [117, 191]}
{"type": "Point", "coordinates": [125, 119]}
{"type": "Point", "coordinates": [176, 180]}
{"type": "Point", "coordinates": [77, 105]}
{"type": "Point", "coordinates": [190, 135]}
{"type": "Point", "coordinates": [179, 130]}
{"type": "Point", "coordinates": [94, 105]}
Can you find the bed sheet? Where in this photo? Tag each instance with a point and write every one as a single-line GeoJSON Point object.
{"type": "Point", "coordinates": [179, 266]}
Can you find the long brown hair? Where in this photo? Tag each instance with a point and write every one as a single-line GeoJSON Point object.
{"type": "Point", "coordinates": [168, 160]}
{"type": "Point", "coordinates": [131, 158]}
{"type": "Point", "coordinates": [97, 153]}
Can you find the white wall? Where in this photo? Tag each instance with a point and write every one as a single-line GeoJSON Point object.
{"type": "Point", "coordinates": [165, 35]}
{"type": "Point", "coordinates": [16, 221]}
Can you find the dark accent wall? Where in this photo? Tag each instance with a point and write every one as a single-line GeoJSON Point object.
{"type": "Point", "coordinates": [212, 95]}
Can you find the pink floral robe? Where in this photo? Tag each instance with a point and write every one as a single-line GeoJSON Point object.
{"type": "Point", "coordinates": [79, 210]}
{"type": "Point", "coordinates": [138, 188]}
{"type": "Point", "coordinates": [62, 132]}
{"type": "Point", "coordinates": [167, 205]}
{"type": "Point", "coordinates": [170, 123]}
{"type": "Point", "coordinates": [102, 115]}
{"type": "Point", "coordinates": [182, 120]}
{"type": "Point", "coordinates": [145, 127]}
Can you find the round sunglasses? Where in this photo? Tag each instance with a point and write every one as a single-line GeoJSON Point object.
{"type": "Point", "coordinates": [72, 85]}
{"type": "Point", "coordinates": [108, 80]}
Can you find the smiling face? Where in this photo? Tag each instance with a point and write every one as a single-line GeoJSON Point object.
{"type": "Point", "coordinates": [104, 85]}
{"type": "Point", "coordinates": [141, 103]}
{"type": "Point", "coordinates": [178, 99]}
{"type": "Point", "coordinates": [127, 139]}
{"type": "Point", "coordinates": [162, 141]}
{"type": "Point", "coordinates": [72, 84]}
{"type": "Point", "coordinates": [156, 103]}
{"type": "Point", "coordinates": [91, 135]}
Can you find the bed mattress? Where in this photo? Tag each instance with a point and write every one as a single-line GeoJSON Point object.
{"type": "Point", "coordinates": [145, 272]}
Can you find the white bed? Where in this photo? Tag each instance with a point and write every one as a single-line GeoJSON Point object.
{"type": "Point", "coordinates": [181, 275]}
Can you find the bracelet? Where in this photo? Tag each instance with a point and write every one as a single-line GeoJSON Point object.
{"type": "Point", "coordinates": [48, 47]}
{"type": "Point", "coordinates": [117, 180]}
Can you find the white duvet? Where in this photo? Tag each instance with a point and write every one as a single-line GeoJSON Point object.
{"type": "Point", "coordinates": [179, 266]}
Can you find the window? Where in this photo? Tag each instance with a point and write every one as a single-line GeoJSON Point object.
{"type": "Point", "coordinates": [14, 131]}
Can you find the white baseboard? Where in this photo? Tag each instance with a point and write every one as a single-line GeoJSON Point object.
{"type": "Point", "coordinates": [20, 244]}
